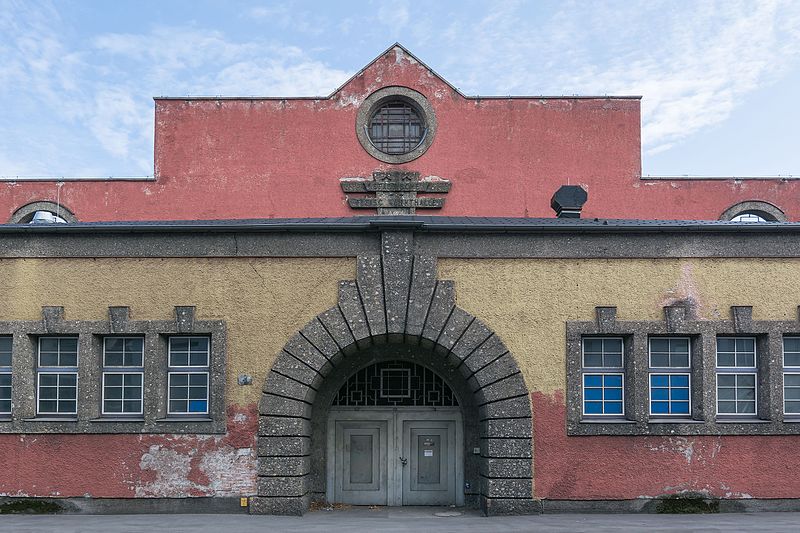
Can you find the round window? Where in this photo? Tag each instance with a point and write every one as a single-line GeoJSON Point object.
{"type": "Point", "coordinates": [396, 124]}
{"type": "Point", "coordinates": [396, 128]}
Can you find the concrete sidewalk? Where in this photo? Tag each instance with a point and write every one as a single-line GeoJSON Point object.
{"type": "Point", "coordinates": [418, 519]}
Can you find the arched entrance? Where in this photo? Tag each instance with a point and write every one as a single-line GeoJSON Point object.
{"type": "Point", "coordinates": [395, 436]}
{"type": "Point", "coordinates": [396, 310]}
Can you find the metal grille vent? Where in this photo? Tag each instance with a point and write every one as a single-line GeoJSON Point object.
{"type": "Point", "coordinates": [396, 128]}
{"type": "Point", "coordinates": [395, 383]}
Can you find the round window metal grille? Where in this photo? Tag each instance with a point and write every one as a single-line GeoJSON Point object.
{"type": "Point", "coordinates": [396, 384]}
{"type": "Point", "coordinates": [396, 128]}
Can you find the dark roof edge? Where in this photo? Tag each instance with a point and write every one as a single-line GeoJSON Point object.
{"type": "Point", "coordinates": [431, 224]}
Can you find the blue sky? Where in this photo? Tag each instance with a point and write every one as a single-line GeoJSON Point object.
{"type": "Point", "coordinates": [719, 80]}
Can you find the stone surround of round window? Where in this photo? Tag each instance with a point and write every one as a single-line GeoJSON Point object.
{"type": "Point", "coordinates": [396, 124]}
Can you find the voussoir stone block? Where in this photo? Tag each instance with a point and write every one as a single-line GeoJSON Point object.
{"type": "Point", "coordinates": [278, 405]}
{"type": "Point", "coordinates": [484, 354]}
{"type": "Point", "coordinates": [441, 306]}
{"type": "Point", "coordinates": [283, 386]}
{"type": "Point", "coordinates": [316, 334]}
{"type": "Point", "coordinates": [509, 387]}
{"type": "Point", "coordinates": [423, 284]}
{"type": "Point", "coordinates": [496, 370]}
{"type": "Point", "coordinates": [353, 310]}
{"type": "Point", "coordinates": [510, 408]}
{"type": "Point", "coordinates": [299, 347]}
{"type": "Point", "coordinates": [370, 286]}
{"type": "Point", "coordinates": [297, 370]}
{"type": "Point", "coordinates": [475, 336]}
{"type": "Point", "coordinates": [454, 328]}
{"type": "Point", "coordinates": [337, 327]}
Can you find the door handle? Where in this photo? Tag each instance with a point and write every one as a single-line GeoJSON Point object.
{"type": "Point", "coordinates": [403, 461]}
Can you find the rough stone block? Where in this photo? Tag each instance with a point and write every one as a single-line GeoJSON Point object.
{"type": "Point", "coordinates": [51, 316]}
{"type": "Point", "coordinates": [184, 318]}
{"type": "Point", "coordinates": [606, 317]}
{"type": "Point", "coordinates": [742, 318]}
{"type": "Point", "coordinates": [506, 428]}
{"type": "Point", "coordinates": [506, 488]}
{"type": "Point", "coordinates": [284, 466]}
{"type": "Point", "coordinates": [516, 448]}
{"type": "Point", "coordinates": [506, 468]}
{"type": "Point", "coordinates": [675, 316]}
{"type": "Point", "coordinates": [118, 317]}
{"type": "Point", "coordinates": [507, 507]}
{"type": "Point", "coordinates": [283, 446]}
{"type": "Point", "coordinates": [282, 486]}
{"type": "Point", "coordinates": [283, 426]}
{"type": "Point", "coordinates": [296, 506]}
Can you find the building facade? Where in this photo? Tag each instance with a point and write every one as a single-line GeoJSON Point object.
{"type": "Point", "coordinates": [368, 299]}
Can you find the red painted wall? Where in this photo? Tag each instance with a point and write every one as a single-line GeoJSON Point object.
{"type": "Point", "coordinates": [227, 159]}
{"type": "Point", "coordinates": [124, 466]}
{"type": "Point", "coordinates": [597, 467]}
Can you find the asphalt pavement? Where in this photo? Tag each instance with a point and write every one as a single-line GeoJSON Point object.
{"type": "Point", "coordinates": [418, 519]}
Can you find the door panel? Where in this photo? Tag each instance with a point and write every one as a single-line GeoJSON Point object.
{"type": "Point", "coordinates": [429, 476]}
{"type": "Point", "coordinates": [361, 465]}
{"type": "Point", "coordinates": [394, 457]}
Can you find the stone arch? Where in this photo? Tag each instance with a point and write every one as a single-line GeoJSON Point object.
{"type": "Point", "coordinates": [24, 213]}
{"type": "Point", "coordinates": [395, 300]}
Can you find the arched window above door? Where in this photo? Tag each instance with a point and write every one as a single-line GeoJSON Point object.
{"type": "Point", "coordinates": [395, 384]}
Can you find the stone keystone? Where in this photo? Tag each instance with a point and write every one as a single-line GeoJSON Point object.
{"type": "Point", "coordinates": [395, 192]}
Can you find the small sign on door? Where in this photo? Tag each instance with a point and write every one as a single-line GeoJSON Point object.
{"type": "Point", "coordinates": [427, 453]}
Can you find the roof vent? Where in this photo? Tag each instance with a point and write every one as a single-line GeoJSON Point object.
{"type": "Point", "coordinates": [568, 201]}
{"type": "Point", "coordinates": [46, 217]}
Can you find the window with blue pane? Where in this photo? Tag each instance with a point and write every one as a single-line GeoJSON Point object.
{"type": "Point", "coordinates": [188, 386]}
{"type": "Point", "coordinates": [5, 375]}
{"type": "Point", "coordinates": [670, 380]}
{"type": "Point", "coordinates": [603, 376]}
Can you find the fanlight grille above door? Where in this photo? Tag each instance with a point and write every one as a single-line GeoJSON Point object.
{"type": "Point", "coordinates": [395, 384]}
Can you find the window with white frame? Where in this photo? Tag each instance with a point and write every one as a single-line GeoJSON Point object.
{"type": "Point", "coordinates": [791, 376]}
{"type": "Point", "coordinates": [188, 375]}
{"type": "Point", "coordinates": [736, 376]}
{"type": "Point", "coordinates": [603, 376]}
{"type": "Point", "coordinates": [5, 375]}
{"type": "Point", "coordinates": [670, 376]}
{"type": "Point", "coordinates": [123, 375]}
{"type": "Point", "coordinates": [57, 376]}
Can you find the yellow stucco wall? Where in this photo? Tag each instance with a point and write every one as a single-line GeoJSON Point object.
{"type": "Point", "coordinates": [263, 301]}
{"type": "Point", "coordinates": [527, 302]}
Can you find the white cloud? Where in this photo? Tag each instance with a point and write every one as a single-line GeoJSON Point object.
{"type": "Point", "coordinates": [693, 62]}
